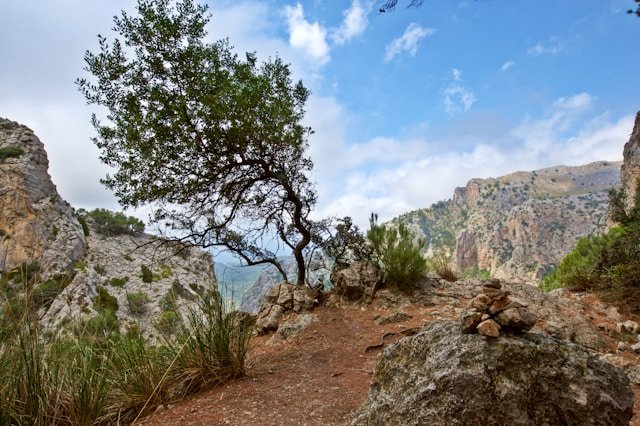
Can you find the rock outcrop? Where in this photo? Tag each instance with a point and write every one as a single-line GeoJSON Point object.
{"type": "Point", "coordinates": [35, 223]}
{"type": "Point", "coordinates": [140, 277]}
{"type": "Point", "coordinates": [440, 376]}
{"type": "Point", "coordinates": [516, 227]}
{"type": "Point", "coordinates": [280, 299]}
{"type": "Point", "coordinates": [631, 164]}
{"type": "Point", "coordinates": [359, 281]}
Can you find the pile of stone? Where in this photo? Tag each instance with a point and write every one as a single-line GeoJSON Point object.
{"type": "Point", "coordinates": [494, 310]}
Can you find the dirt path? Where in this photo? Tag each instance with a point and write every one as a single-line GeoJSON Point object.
{"type": "Point", "coordinates": [320, 377]}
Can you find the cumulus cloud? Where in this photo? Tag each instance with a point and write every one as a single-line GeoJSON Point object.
{"type": "Point", "coordinates": [310, 38]}
{"type": "Point", "coordinates": [354, 23]}
{"type": "Point", "coordinates": [392, 176]}
{"type": "Point", "coordinates": [507, 65]}
{"type": "Point", "coordinates": [457, 97]}
{"type": "Point", "coordinates": [407, 42]}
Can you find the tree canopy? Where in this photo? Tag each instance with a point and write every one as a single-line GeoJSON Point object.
{"type": "Point", "coordinates": [214, 142]}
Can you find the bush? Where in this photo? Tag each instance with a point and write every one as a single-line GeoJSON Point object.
{"type": "Point", "coordinates": [477, 273]}
{"type": "Point", "coordinates": [114, 223]}
{"type": "Point", "coordinates": [104, 301]}
{"type": "Point", "coordinates": [347, 244]}
{"type": "Point", "coordinates": [46, 292]}
{"type": "Point", "coordinates": [146, 274]}
{"type": "Point", "coordinates": [442, 265]}
{"type": "Point", "coordinates": [118, 282]}
{"type": "Point", "coordinates": [167, 322]}
{"type": "Point", "coordinates": [398, 255]}
{"type": "Point", "coordinates": [136, 302]}
{"type": "Point", "coordinates": [10, 152]}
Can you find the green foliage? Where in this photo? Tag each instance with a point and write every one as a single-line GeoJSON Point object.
{"type": "Point", "coordinates": [115, 223]}
{"type": "Point", "coordinates": [477, 273]}
{"type": "Point", "coordinates": [174, 98]}
{"type": "Point", "coordinates": [10, 152]}
{"type": "Point", "coordinates": [608, 264]}
{"type": "Point", "coordinates": [118, 282]}
{"type": "Point", "coordinates": [136, 302]}
{"type": "Point", "coordinates": [169, 301]}
{"type": "Point", "coordinates": [146, 274]}
{"type": "Point", "coordinates": [167, 322]}
{"type": "Point", "coordinates": [45, 293]}
{"type": "Point", "coordinates": [100, 270]}
{"type": "Point", "coordinates": [397, 253]}
{"type": "Point", "coordinates": [442, 264]}
{"type": "Point", "coordinates": [104, 301]}
{"type": "Point", "coordinates": [347, 244]}
{"type": "Point", "coordinates": [83, 224]}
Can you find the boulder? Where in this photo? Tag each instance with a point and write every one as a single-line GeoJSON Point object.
{"type": "Point", "coordinates": [358, 281]}
{"type": "Point", "coordinates": [281, 298]}
{"type": "Point", "coordinates": [443, 377]}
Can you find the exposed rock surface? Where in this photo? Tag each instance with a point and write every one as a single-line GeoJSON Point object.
{"type": "Point", "coordinates": [631, 163]}
{"type": "Point", "coordinates": [254, 296]}
{"type": "Point", "coordinates": [359, 281]}
{"type": "Point", "coordinates": [440, 376]}
{"type": "Point", "coordinates": [519, 225]}
{"type": "Point", "coordinates": [35, 223]}
{"type": "Point", "coordinates": [283, 298]}
{"type": "Point", "coordinates": [114, 264]}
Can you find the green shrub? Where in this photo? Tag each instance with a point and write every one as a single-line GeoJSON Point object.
{"type": "Point", "coordinates": [136, 302]}
{"type": "Point", "coordinates": [103, 327]}
{"type": "Point", "coordinates": [114, 223]}
{"type": "Point", "coordinates": [477, 273]}
{"type": "Point", "coordinates": [146, 274]}
{"type": "Point", "coordinates": [104, 301]}
{"type": "Point", "coordinates": [397, 253]}
{"type": "Point", "coordinates": [168, 302]}
{"type": "Point", "coordinates": [167, 322]}
{"type": "Point", "coordinates": [45, 293]}
{"type": "Point", "coordinates": [100, 270]}
{"type": "Point", "coordinates": [10, 152]}
{"type": "Point", "coordinates": [118, 282]}
{"type": "Point", "coordinates": [442, 264]}
{"type": "Point", "coordinates": [83, 224]}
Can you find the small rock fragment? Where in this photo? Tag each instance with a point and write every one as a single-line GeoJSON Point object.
{"type": "Point", "coordinates": [469, 321]}
{"type": "Point", "coordinates": [489, 328]}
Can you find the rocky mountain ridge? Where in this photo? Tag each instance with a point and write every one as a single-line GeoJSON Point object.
{"type": "Point", "coordinates": [631, 163]}
{"type": "Point", "coordinates": [80, 270]}
{"type": "Point", "coordinates": [517, 226]}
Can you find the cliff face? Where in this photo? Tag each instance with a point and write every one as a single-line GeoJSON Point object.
{"type": "Point", "coordinates": [631, 163]}
{"type": "Point", "coordinates": [35, 223]}
{"type": "Point", "coordinates": [517, 226]}
{"type": "Point", "coordinates": [144, 280]}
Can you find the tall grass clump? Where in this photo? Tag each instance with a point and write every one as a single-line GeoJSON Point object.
{"type": "Point", "coordinates": [398, 253]}
{"type": "Point", "coordinates": [442, 264]}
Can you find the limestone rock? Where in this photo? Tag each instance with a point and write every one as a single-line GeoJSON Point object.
{"type": "Point", "coordinates": [489, 328]}
{"type": "Point", "coordinates": [358, 281]}
{"type": "Point", "coordinates": [396, 317]}
{"type": "Point", "coordinates": [35, 224]}
{"type": "Point", "coordinates": [517, 226]}
{"type": "Point", "coordinates": [442, 377]}
{"type": "Point", "coordinates": [280, 299]}
{"type": "Point", "coordinates": [631, 163]}
{"type": "Point", "coordinates": [517, 318]}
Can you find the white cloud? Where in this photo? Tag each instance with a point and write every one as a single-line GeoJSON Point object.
{"type": "Point", "coordinates": [457, 97]}
{"type": "Point", "coordinates": [553, 47]}
{"type": "Point", "coordinates": [393, 176]}
{"type": "Point", "coordinates": [507, 65]}
{"type": "Point", "coordinates": [408, 42]}
{"type": "Point", "coordinates": [310, 38]}
{"type": "Point", "coordinates": [355, 23]}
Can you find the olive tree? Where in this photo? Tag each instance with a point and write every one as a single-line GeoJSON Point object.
{"type": "Point", "coordinates": [213, 141]}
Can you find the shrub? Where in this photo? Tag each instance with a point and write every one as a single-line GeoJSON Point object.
{"type": "Point", "coordinates": [100, 270]}
{"type": "Point", "coordinates": [442, 265]}
{"type": "Point", "coordinates": [146, 274]}
{"type": "Point", "coordinates": [10, 152]}
{"type": "Point", "coordinates": [136, 302]}
{"type": "Point", "coordinates": [46, 292]}
{"type": "Point", "coordinates": [398, 255]}
{"type": "Point", "coordinates": [347, 244]}
{"type": "Point", "coordinates": [475, 272]}
{"type": "Point", "coordinates": [114, 223]}
{"type": "Point", "coordinates": [104, 301]}
{"type": "Point", "coordinates": [118, 282]}
{"type": "Point", "coordinates": [167, 322]}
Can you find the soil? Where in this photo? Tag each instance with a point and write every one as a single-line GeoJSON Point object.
{"type": "Point", "coordinates": [319, 377]}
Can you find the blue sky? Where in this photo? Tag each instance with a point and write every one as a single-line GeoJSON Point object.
{"type": "Point", "coordinates": [406, 105]}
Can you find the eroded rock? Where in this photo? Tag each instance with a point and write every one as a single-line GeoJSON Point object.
{"type": "Point", "coordinates": [440, 376]}
{"type": "Point", "coordinates": [358, 281]}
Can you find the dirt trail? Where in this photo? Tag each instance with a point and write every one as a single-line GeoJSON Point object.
{"type": "Point", "coordinates": [320, 377]}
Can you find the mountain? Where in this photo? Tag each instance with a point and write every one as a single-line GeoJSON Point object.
{"type": "Point", "coordinates": [518, 226]}
{"type": "Point", "coordinates": [234, 280]}
{"type": "Point", "coordinates": [74, 270]}
{"type": "Point", "coordinates": [631, 163]}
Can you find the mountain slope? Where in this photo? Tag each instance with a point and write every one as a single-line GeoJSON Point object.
{"type": "Point", "coordinates": [518, 226]}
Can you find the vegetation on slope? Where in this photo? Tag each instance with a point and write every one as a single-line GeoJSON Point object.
{"type": "Point", "coordinates": [609, 263]}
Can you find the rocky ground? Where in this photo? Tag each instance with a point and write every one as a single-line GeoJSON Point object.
{"type": "Point", "coordinates": [318, 372]}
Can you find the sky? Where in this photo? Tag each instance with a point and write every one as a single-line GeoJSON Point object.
{"type": "Point", "coordinates": [406, 105]}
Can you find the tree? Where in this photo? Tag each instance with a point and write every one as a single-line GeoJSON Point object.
{"type": "Point", "coordinates": [213, 142]}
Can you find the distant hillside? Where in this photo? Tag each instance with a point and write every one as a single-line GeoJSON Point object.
{"type": "Point", "coordinates": [518, 226]}
{"type": "Point", "coordinates": [234, 280]}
